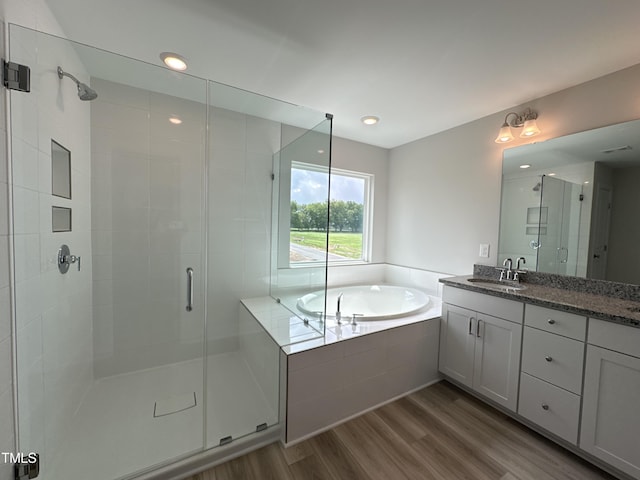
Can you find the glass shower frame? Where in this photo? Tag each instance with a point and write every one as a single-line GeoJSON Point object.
{"type": "Point", "coordinates": [37, 356]}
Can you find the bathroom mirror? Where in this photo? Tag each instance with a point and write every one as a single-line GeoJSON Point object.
{"type": "Point", "coordinates": [60, 170]}
{"type": "Point", "coordinates": [569, 204]}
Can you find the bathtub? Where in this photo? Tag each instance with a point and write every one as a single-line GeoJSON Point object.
{"type": "Point", "coordinates": [370, 302]}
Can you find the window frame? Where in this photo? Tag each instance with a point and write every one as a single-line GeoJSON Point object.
{"type": "Point", "coordinates": [367, 213]}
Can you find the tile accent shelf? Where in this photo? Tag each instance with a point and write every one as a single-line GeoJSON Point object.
{"type": "Point", "coordinates": [579, 373]}
{"type": "Point", "coordinates": [327, 380]}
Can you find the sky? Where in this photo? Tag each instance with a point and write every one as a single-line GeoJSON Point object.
{"type": "Point", "coordinates": [310, 187]}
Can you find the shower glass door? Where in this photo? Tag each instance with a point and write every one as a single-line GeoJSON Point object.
{"type": "Point", "coordinates": [559, 226]}
{"type": "Point", "coordinates": [109, 353]}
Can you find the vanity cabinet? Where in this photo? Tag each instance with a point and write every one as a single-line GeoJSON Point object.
{"type": "Point", "coordinates": [480, 343]}
{"type": "Point", "coordinates": [610, 416]}
{"type": "Point", "coordinates": [552, 364]}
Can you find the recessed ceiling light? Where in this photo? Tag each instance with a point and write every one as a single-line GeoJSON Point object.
{"type": "Point", "coordinates": [321, 151]}
{"type": "Point", "coordinates": [587, 181]}
{"type": "Point", "coordinates": [552, 174]}
{"type": "Point", "coordinates": [175, 119]}
{"type": "Point", "coordinates": [370, 120]}
{"type": "Point", "coordinates": [174, 61]}
{"type": "Point", "coordinates": [526, 165]}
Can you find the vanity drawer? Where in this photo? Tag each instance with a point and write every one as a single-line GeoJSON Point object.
{"type": "Point", "coordinates": [553, 408]}
{"type": "Point", "coordinates": [479, 302]}
{"type": "Point", "coordinates": [614, 336]}
{"type": "Point", "coordinates": [563, 323]}
{"type": "Point", "coordinates": [556, 359]}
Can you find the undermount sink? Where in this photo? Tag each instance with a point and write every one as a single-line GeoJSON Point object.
{"type": "Point", "coordinates": [497, 284]}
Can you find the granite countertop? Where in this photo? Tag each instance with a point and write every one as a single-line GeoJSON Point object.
{"type": "Point", "coordinates": [626, 312]}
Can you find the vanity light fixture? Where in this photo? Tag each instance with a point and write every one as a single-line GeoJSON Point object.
{"type": "Point", "coordinates": [174, 61]}
{"type": "Point", "coordinates": [525, 120]}
{"type": "Point", "coordinates": [370, 120]}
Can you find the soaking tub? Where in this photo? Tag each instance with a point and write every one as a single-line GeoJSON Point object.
{"type": "Point", "coordinates": [369, 302]}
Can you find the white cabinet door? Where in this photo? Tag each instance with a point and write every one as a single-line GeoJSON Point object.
{"type": "Point", "coordinates": [610, 419]}
{"type": "Point", "coordinates": [457, 342]}
{"type": "Point", "coordinates": [497, 360]}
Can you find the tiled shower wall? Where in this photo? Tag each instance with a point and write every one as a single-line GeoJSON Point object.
{"type": "Point", "coordinates": [239, 197]}
{"type": "Point", "coordinates": [147, 193]}
{"type": "Point", "coordinates": [147, 197]}
{"type": "Point", "coordinates": [53, 311]}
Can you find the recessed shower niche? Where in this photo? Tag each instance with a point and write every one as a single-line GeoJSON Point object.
{"type": "Point", "coordinates": [60, 170]}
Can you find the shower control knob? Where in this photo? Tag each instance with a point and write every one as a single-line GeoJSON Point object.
{"type": "Point", "coordinates": [65, 259]}
{"type": "Point", "coordinates": [74, 259]}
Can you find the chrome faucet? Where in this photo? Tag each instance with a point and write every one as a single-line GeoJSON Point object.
{"type": "Point", "coordinates": [507, 263]}
{"type": "Point", "coordinates": [516, 275]}
{"type": "Point", "coordinates": [338, 313]}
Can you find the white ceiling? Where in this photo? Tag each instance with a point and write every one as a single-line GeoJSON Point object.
{"type": "Point", "coordinates": [422, 66]}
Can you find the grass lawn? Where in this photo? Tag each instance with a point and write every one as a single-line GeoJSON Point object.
{"type": "Point", "coordinates": [346, 244]}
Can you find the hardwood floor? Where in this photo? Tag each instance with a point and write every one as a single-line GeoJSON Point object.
{"type": "Point", "coordinates": [439, 433]}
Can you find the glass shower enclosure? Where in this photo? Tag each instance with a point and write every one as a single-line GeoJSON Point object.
{"type": "Point", "coordinates": [141, 220]}
{"type": "Point", "coordinates": [540, 220]}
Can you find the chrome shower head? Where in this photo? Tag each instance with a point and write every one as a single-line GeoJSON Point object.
{"type": "Point", "coordinates": [85, 92]}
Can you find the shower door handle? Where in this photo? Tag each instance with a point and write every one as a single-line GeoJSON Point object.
{"type": "Point", "coordinates": [189, 289]}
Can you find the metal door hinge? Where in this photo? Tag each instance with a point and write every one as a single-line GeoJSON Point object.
{"type": "Point", "coordinates": [27, 467]}
{"type": "Point", "coordinates": [16, 76]}
{"type": "Point", "coordinates": [261, 427]}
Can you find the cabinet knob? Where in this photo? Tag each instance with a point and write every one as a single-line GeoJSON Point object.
{"type": "Point", "coordinates": [545, 406]}
{"type": "Point", "coordinates": [548, 358]}
{"type": "Point", "coordinates": [551, 321]}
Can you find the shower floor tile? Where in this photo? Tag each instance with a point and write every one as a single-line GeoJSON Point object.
{"type": "Point", "coordinates": [115, 433]}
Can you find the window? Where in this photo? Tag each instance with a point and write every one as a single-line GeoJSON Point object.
{"type": "Point", "coordinates": [349, 215]}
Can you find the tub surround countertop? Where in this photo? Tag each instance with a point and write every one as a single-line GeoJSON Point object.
{"type": "Point", "coordinates": [604, 307]}
{"type": "Point", "coordinates": [276, 319]}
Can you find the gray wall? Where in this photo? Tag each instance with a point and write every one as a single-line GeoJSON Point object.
{"type": "Point", "coordinates": [624, 235]}
{"type": "Point", "coordinates": [444, 190]}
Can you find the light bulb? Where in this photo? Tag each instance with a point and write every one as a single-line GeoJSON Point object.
{"type": "Point", "coordinates": [529, 129]}
{"type": "Point", "coordinates": [505, 134]}
{"type": "Point", "coordinates": [370, 120]}
{"type": "Point", "coordinates": [174, 61]}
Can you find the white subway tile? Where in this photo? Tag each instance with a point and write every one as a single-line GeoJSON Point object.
{"type": "Point", "coordinates": [5, 313]}
{"type": "Point", "coordinates": [317, 356]}
{"type": "Point", "coordinates": [5, 365]}
{"type": "Point", "coordinates": [26, 256]}
{"type": "Point", "coordinates": [26, 211]}
{"type": "Point", "coordinates": [25, 165]}
{"type": "Point", "coordinates": [4, 261]}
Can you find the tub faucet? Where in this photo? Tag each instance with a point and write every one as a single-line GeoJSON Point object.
{"type": "Point", "coordinates": [338, 313]}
